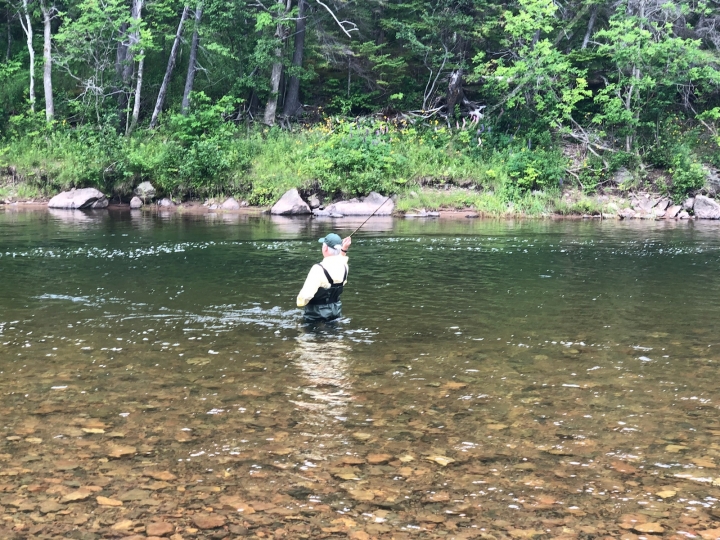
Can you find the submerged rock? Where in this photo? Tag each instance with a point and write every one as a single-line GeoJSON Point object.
{"type": "Point", "coordinates": [79, 199]}
{"type": "Point", "coordinates": [290, 204]}
{"type": "Point", "coordinates": [364, 206]}
{"type": "Point", "coordinates": [706, 208]}
{"type": "Point", "coordinates": [136, 203]}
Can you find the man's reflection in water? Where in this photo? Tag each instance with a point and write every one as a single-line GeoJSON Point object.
{"type": "Point", "coordinates": [321, 355]}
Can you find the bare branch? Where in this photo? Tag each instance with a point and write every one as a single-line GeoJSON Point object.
{"type": "Point", "coordinates": [341, 24]}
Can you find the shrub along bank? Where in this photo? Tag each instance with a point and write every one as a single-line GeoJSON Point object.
{"type": "Point", "coordinates": [430, 165]}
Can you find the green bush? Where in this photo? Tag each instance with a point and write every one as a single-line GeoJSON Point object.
{"type": "Point", "coordinates": [688, 175]}
{"type": "Point", "coordinates": [354, 160]}
{"type": "Point", "coordinates": [531, 170]}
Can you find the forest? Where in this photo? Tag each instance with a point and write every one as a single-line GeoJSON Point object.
{"type": "Point", "coordinates": [510, 102]}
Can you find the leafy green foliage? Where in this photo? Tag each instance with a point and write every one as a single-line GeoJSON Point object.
{"type": "Point", "coordinates": [354, 160]}
{"type": "Point", "coordinates": [533, 170]}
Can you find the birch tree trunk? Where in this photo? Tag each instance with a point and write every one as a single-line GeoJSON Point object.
{"type": "Point", "coordinates": [26, 24]}
{"type": "Point", "coordinates": [455, 91]}
{"type": "Point", "coordinates": [128, 62]}
{"type": "Point", "coordinates": [591, 25]}
{"type": "Point", "coordinates": [47, 62]}
{"type": "Point", "coordinates": [292, 102]}
{"type": "Point", "coordinates": [168, 71]}
{"type": "Point", "coordinates": [138, 88]}
{"type": "Point", "coordinates": [192, 63]}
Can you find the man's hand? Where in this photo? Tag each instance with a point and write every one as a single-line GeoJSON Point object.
{"type": "Point", "coordinates": [346, 243]}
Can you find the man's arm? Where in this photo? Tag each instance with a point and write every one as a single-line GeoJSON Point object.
{"type": "Point", "coordinates": [345, 245]}
{"type": "Point", "coordinates": [312, 284]}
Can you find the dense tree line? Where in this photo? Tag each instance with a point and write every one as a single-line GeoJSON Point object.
{"type": "Point", "coordinates": [617, 77]}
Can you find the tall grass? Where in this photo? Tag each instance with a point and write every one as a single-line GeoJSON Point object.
{"type": "Point", "coordinates": [198, 156]}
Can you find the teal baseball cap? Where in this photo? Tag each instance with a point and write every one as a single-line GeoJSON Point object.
{"type": "Point", "coordinates": [332, 240]}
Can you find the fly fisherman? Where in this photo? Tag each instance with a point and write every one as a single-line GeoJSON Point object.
{"type": "Point", "coordinates": [320, 295]}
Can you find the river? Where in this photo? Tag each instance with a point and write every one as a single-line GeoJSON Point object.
{"type": "Point", "coordinates": [490, 379]}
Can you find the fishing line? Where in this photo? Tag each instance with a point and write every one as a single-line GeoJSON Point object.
{"type": "Point", "coordinates": [371, 215]}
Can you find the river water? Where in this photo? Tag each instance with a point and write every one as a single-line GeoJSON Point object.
{"type": "Point", "coordinates": [491, 379]}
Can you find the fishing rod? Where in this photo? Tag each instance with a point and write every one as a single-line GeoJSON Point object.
{"type": "Point", "coordinates": [371, 215]}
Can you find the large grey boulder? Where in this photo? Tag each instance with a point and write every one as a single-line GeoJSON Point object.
{"type": "Point", "coordinates": [230, 204]}
{"type": "Point", "coordinates": [363, 207]}
{"type": "Point", "coordinates": [145, 191]}
{"type": "Point", "coordinates": [688, 203]}
{"type": "Point", "coordinates": [622, 176]}
{"type": "Point", "coordinates": [135, 203]}
{"type": "Point", "coordinates": [290, 204]}
{"type": "Point", "coordinates": [79, 199]}
{"type": "Point", "coordinates": [706, 208]}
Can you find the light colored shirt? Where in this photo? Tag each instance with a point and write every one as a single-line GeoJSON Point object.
{"type": "Point", "coordinates": [336, 267]}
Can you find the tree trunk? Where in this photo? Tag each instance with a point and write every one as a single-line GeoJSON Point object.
{"type": "Point", "coordinates": [455, 91]}
{"type": "Point", "coordinates": [192, 63]}
{"type": "Point", "coordinates": [591, 24]}
{"type": "Point", "coordinates": [47, 62]}
{"type": "Point", "coordinates": [127, 62]}
{"type": "Point", "coordinates": [9, 35]}
{"type": "Point", "coordinates": [26, 24]}
{"type": "Point", "coordinates": [276, 75]}
{"type": "Point", "coordinates": [168, 71]}
{"type": "Point", "coordinates": [138, 88]}
{"type": "Point", "coordinates": [120, 59]}
{"type": "Point", "coordinates": [292, 102]}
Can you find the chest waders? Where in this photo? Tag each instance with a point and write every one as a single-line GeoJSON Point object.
{"type": "Point", "coordinates": [326, 304]}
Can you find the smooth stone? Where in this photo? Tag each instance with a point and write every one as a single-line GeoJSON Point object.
{"type": "Point", "coordinates": [230, 204]}
{"type": "Point", "coordinates": [662, 205]}
{"type": "Point", "coordinates": [673, 212]}
{"type": "Point", "coordinates": [314, 202]}
{"type": "Point", "coordinates": [159, 528]}
{"type": "Point", "coordinates": [205, 522]}
{"type": "Point", "coordinates": [166, 202]}
{"type": "Point", "coordinates": [79, 199]}
{"type": "Point", "coordinates": [136, 202]}
{"type": "Point", "coordinates": [626, 213]}
{"type": "Point", "coordinates": [134, 495]}
{"type": "Point", "coordinates": [688, 203]}
{"type": "Point", "coordinates": [706, 208]}
{"type": "Point", "coordinates": [373, 203]}
{"type": "Point", "coordinates": [290, 204]}
{"type": "Point", "coordinates": [50, 507]}
{"type": "Point", "coordinates": [683, 215]}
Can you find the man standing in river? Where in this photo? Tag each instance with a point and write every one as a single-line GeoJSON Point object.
{"type": "Point", "coordinates": [320, 295]}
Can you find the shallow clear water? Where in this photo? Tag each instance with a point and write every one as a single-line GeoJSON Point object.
{"type": "Point", "coordinates": [512, 379]}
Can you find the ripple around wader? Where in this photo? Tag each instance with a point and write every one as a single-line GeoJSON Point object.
{"type": "Point", "coordinates": [528, 380]}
